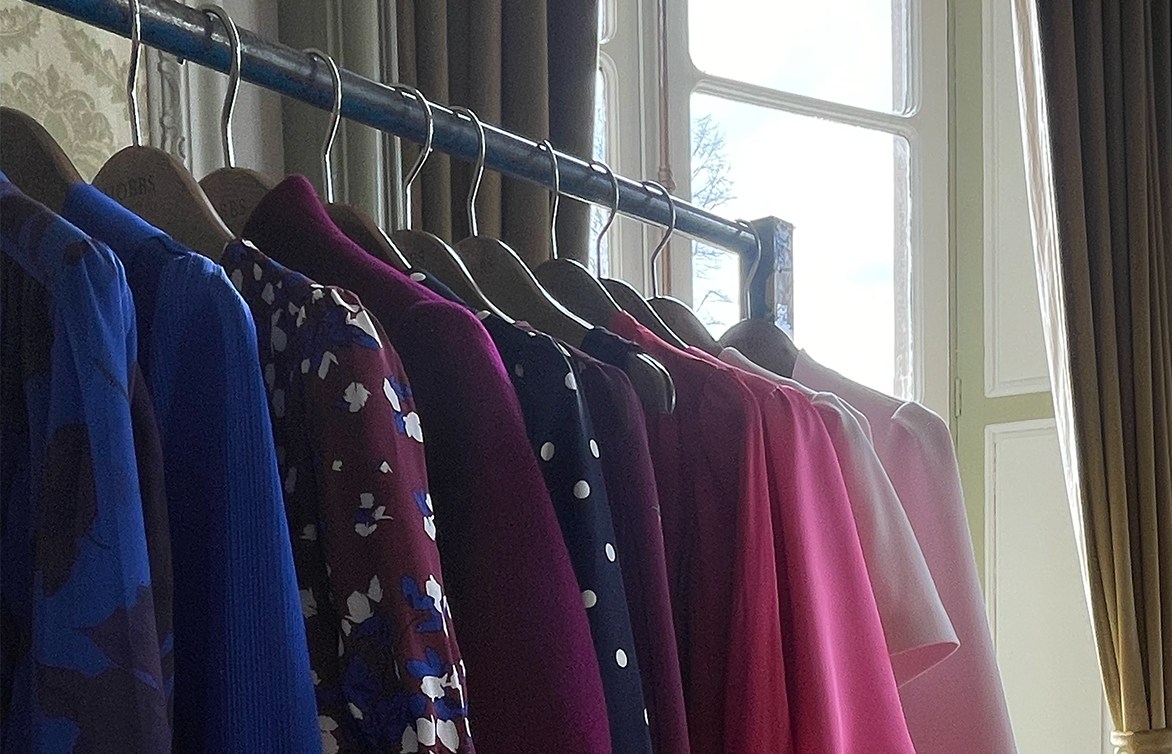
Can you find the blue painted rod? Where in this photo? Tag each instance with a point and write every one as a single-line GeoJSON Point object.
{"type": "Point", "coordinates": [191, 35]}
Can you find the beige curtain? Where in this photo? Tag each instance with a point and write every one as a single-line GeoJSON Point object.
{"type": "Point", "coordinates": [527, 65]}
{"type": "Point", "coordinates": [1096, 94]}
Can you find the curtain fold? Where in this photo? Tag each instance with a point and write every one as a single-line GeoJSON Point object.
{"type": "Point", "coordinates": [1096, 93]}
{"type": "Point", "coordinates": [526, 65]}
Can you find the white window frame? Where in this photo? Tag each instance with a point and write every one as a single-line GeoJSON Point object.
{"type": "Point", "coordinates": [629, 60]}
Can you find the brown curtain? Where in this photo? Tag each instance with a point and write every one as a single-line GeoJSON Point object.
{"type": "Point", "coordinates": [1096, 93]}
{"type": "Point", "coordinates": [526, 65]}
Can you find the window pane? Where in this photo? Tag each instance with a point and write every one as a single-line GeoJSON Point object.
{"type": "Point", "coordinates": [605, 21]}
{"type": "Point", "coordinates": [599, 260]}
{"type": "Point", "coordinates": [845, 189]}
{"type": "Point", "coordinates": [848, 51]}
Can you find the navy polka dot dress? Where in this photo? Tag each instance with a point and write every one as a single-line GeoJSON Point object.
{"type": "Point", "coordinates": [559, 428]}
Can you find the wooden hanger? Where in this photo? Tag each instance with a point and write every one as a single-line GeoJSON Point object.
{"type": "Point", "coordinates": [153, 185]}
{"type": "Point", "coordinates": [361, 228]}
{"type": "Point", "coordinates": [681, 320]}
{"type": "Point", "coordinates": [501, 273]}
{"type": "Point", "coordinates": [634, 304]}
{"type": "Point", "coordinates": [761, 340]}
{"type": "Point", "coordinates": [677, 315]}
{"type": "Point", "coordinates": [34, 161]}
{"type": "Point", "coordinates": [426, 251]}
{"type": "Point", "coordinates": [570, 282]}
{"type": "Point", "coordinates": [356, 224]}
{"type": "Point", "coordinates": [234, 192]}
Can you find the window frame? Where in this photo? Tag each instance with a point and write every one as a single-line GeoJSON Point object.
{"type": "Point", "coordinates": [633, 149]}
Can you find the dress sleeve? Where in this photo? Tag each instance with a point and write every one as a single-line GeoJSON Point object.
{"type": "Point", "coordinates": [402, 678]}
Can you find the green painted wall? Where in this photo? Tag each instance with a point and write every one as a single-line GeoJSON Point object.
{"type": "Point", "coordinates": [973, 411]}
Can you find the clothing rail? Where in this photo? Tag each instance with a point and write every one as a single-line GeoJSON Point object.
{"type": "Point", "coordinates": [192, 35]}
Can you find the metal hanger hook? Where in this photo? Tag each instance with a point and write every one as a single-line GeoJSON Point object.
{"type": "Point", "coordinates": [335, 118]}
{"type": "Point", "coordinates": [132, 77]}
{"type": "Point", "coordinates": [614, 206]}
{"type": "Point", "coordinates": [233, 80]}
{"type": "Point", "coordinates": [671, 229]}
{"type": "Point", "coordinates": [747, 290]}
{"type": "Point", "coordinates": [424, 153]}
{"type": "Point", "coordinates": [478, 170]}
{"type": "Point", "coordinates": [557, 194]}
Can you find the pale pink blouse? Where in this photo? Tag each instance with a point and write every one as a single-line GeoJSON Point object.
{"type": "Point", "coordinates": [915, 625]}
{"type": "Point", "coordinates": [957, 707]}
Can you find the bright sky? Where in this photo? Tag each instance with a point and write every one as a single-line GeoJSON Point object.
{"type": "Point", "coordinates": [835, 183]}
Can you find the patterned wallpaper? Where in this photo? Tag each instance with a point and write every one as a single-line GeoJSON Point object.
{"type": "Point", "coordinates": [69, 76]}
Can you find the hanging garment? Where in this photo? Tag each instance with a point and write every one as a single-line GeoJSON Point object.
{"type": "Point", "coordinates": [959, 706]}
{"type": "Point", "coordinates": [563, 439]}
{"type": "Point", "coordinates": [621, 433]}
{"type": "Point", "coordinates": [198, 348]}
{"type": "Point", "coordinates": [84, 663]}
{"type": "Point", "coordinates": [915, 625]}
{"type": "Point", "coordinates": [387, 669]}
{"type": "Point", "coordinates": [534, 683]}
{"type": "Point", "coordinates": [709, 457]}
{"type": "Point", "coordinates": [844, 697]}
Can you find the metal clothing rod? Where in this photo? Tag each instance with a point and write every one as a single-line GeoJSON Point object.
{"type": "Point", "coordinates": [192, 35]}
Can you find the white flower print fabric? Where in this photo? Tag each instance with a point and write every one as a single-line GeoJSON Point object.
{"type": "Point", "coordinates": [560, 431]}
{"type": "Point", "coordinates": [387, 669]}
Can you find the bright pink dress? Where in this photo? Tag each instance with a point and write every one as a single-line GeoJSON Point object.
{"type": "Point", "coordinates": [957, 707]}
{"type": "Point", "coordinates": [840, 684]}
{"type": "Point", "coordinates": [915, 624]}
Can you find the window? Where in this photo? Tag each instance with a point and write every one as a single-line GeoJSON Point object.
{"type": "Point", "coordinates": [832, 116]}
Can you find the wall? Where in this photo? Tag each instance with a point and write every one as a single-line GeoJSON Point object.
{"type": "Point", "coordinates": [1002, 412]}
{"type": "Point", "coordinates": [70, 77]}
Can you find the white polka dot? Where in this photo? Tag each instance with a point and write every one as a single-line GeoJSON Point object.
{"type": "Point", "coordinates": [621, 658]}
{"type": "Point", "coordinates": [337, 466]}
{"type": "Point", "coordinates": [305, 366]}
{"type": "Point", "coordinates": [270, 374]}
{"type": "Point", "coordinates": [571, 383]}
{"type": "Point", "coordinates": [418, 277]}
{"type": "Point", "coordinates": [610, 553]}
{"type": "Point", "coordinates": [384, 467]}
{"type": "Point", "coordinates": [594, 449]}
{"type": "Point", "coordinates": [547, 451]}
{"type": "Point", "coordinates": [589, 598]}
{"type": "Point", "coordinates": [256, 272]}
{"type": "Point", "coordinates": [519, 370]}
{"type": "Point", "coordinates": [483, 314]}
{"type": "Point", "coordinates": [582, 490]}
